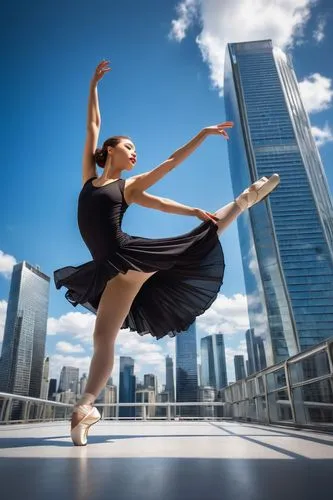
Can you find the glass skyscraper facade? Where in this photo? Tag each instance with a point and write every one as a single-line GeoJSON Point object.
{"type": "Point", "coordinates": [69, 379]}
{"type": "Point", "coordinates": [239, 367]}
{"type": "Point", "coordinates": [213, 363]}
{"type": "Point", "coordinates": [255, 352]}
{"type": "Point", "coordinates": [286, 241]}
{"type": "Point", "coordinates": [186, 368]}
{"type": "Point", "coordinates": [23, 348]}
{"type": "Point", "coordinates": [169, 380]}
{"type": "Point", "coordinates": [126, 386]}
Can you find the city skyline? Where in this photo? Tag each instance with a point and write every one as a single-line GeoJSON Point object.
{"type": "Point", "coordinates": [182, 67]}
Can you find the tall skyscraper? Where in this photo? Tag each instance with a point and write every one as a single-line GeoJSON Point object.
{"type": "Point", "coordinates": [150, 381]}
{"type": "Point", "coordinates": [69, 379]}
{"type": "Point", "coordinates": [169, 383]}
{"type": "Point", "coordinates": [44, 390]}
{"type": "Point", "coordinates": [23, 347]}
{"type": "Point", "coordinates": [52, 389]}
{"type": "Point", "coordinates": [239, 367]}
{"type": "Point", "coordinates": [255, 352]}
{"type": "Point", "coordinates": [126, 386]}
{"type": "Point", "coordinates": [186, 368]}
{"type": "Point", "coordinates": [287, 241]}
{"type": "Point", "coordinates": [213, 363]}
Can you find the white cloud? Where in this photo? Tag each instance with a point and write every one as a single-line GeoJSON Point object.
{"type": "Point", "coordinates": [239, 21]}
{"type": "Point", "coordinates": [227, 315]}
{"type": "Point", "coordinates": [79, 325]}
{"type": "Point", "coordinates": [316, 91]}
{"type": "Point", "coordinates": [186, 11]}
{"type": "Point", "coordinates": [3, 312]}
{"type": "Point", "coordinates": [6, 264]}
{"type": "Point", "coordinates": [318, 34]}
{"type": "Point", "coordinates": [67, 347]}
{"type": "Point", "coordinates": [322, 135]}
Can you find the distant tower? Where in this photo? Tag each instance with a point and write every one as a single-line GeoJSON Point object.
{"type": "Point", "coordinates": [186, 369]}
{"type": "Point", "coordinates": [23, 347]}
{"type": "Point", "coordinates": [239, 367]}
{"type": "Point", "coordinates": [169, 383]}
{"type": "Point", "coordinates": [69, 379]}
{"type": "Point", "coordinates": [44, 390]}
{"type": "Point", "coordinates": [255, 352]}
{"type": "Point", "coordinates": [150, 381]}
{"type": "Point", "coordinates": [126, 386]}
{"type": "Point", "coordinates": [213, 363]}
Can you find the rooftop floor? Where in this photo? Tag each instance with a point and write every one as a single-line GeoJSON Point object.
{"type": "Point", "coordinates": [149, 460]}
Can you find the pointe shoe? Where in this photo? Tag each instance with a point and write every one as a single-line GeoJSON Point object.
{"type": "Point", "coordinates": [90, 416]}
{"type": "Point", "coordinates": [258, 191]}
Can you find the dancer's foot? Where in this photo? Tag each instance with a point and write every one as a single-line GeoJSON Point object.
{"type": "Point", "coordinates": [258, 191]}
{"type": "Point", "coordinates": [83, 417]}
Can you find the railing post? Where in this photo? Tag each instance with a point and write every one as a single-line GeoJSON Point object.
{"type": "Point", "coordinates": [290, 394]}
{"type": "Point", "coordinates": [25, 411]}
{"type": "Point", "coordinates": [266, 398]}
{"type": "Point", "coordinates": [8, 409]}
{"type": "Point", "coordinates": [4, 404]}
{"type": "Point", "coordinates": [169, 412]}
{"type": "Point", "coordinates": [144, 413]}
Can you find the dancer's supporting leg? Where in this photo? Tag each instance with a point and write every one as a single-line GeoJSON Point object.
{"type": "Point", "coordinates": [113, 308]}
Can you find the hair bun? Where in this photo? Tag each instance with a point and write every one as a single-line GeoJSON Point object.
{"type": "Point", "coordinates": [100, 157]}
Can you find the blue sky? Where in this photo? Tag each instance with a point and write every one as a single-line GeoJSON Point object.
{"type": "Point", "coordinates": [165, 85]}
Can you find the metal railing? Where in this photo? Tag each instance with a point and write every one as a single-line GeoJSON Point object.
{"type": "Point", "coordinates": [296, 392]}
{"type": "Point", "coordinates": [23, 409]}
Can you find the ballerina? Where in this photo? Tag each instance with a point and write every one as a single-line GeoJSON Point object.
{"type": "Point", "coordinates": [151, 286]}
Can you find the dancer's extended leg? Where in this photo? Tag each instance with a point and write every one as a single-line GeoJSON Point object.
{"type": "Point", "coordinates": [258, 191]}
{"type": "Point", "coordinates": [227, 215]}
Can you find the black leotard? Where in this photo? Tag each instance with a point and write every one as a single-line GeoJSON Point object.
{"type": "Point", "coordinates": [190, 266]}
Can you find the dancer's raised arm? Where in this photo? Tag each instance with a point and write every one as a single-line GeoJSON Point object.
{"type": "Point", "coordinates": [143, 181]}
{"type": "Point", "coordinates": [93, 124]}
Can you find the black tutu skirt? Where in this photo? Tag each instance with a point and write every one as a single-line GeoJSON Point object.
{"type": "Point", "coordinates": [190, 273]}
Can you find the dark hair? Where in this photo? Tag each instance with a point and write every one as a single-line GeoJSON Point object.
{"type": "Point", "coordinates": [101, 154]}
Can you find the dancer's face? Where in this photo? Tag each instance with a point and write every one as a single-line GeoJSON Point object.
{"type": "Point", "coordinates": [123, 156]}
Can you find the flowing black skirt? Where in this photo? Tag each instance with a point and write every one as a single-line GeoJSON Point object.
{"type": "Point", "coordinates": [190, 273]}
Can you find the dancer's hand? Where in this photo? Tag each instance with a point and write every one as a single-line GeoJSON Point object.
{"type": "Point", "coordinates": [204, 215]}
{"type": "Point", "coordinates": [219, 129]}
{"type": "Point", "coordinates": [100, 71]}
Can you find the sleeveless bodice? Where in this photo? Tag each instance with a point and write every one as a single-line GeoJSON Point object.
{"type": "Point", "coordinates": [187, 269]}
{"type": "Point", "coordinates": [100, 213]}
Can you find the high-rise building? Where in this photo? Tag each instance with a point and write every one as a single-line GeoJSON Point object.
{"type": "Point", "coordinates": [169, 383]}
{"type": "Point", "coordinates": [44, 390]}
{"type": "Point", "coordinates": [286, 241]}
{"type": "Point", "coordinates": [186, 369]}
{"type": "Point", "coordinates": [69, 379]}
{"type": "Point", "coordinates": [23, 347]}
{"type": "Point", "coordinates": [239, 367]}
{"type": "Point", "coordinates": [146, 396]}
{"type": "Point", "coordinates": [255, 352]}
{"type": "Point", "coordinates": [52, 389]}
{"type": "Point", "coordinates": [150, 381]}
{"type": "Point", "coordinates": [110, 396]}
{"type": "Point", "coordinates": [83, 383]}
{"type": "Point", "coordinates": [213, 363]}
{"type": "Point", "coordinates": [126, 386]}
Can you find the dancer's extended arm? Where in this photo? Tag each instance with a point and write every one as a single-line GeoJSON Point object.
{"type": "Point", "coordinates": [93, 124]}
{"type": "Point", "coordinates": [170, 206]}
{"type": "Point", "coordinates": [143, 181]}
